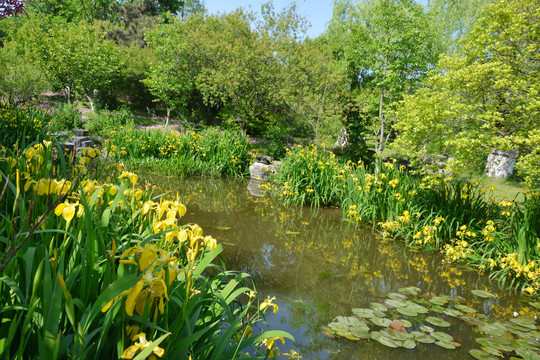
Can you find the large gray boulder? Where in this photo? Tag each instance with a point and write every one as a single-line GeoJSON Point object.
{"type": "Point", "coordinates": [500, 164]}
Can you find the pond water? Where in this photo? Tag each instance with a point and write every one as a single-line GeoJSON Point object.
{"type": "Point", "coordinates": [319, 267]}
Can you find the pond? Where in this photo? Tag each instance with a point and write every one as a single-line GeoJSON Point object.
{"type": "Point", "coordinates": [319, 267]}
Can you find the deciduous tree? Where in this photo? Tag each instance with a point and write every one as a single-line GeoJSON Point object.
{"type": "Point", "coordinates": [485, 97]}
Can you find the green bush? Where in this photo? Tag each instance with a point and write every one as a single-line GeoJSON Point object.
{"type": "Point", "coordinates": [65, 118]}
{"type": "Point", "coordinates": [103, 122]}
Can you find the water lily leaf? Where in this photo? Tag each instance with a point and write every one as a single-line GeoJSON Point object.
{"type": "Point", "coordinates": [453, 312]}
{"type": "Point", "coordinates": [383, 322]}
{"type": "Point", "coordinates": [444, 337]}
{"type": "Point", "coordinates": [522, 343]}
{"type": "Point", "coordinates": [494, 329]}
{"type": "Point", "coordinates": [482, 294]}
{"type": "Point", "coordinates": [292, 232]}
{"type": "Point", "coordinates": [336, 326]}
{"type": "Point", "coordinates": [524, 322]}
{"type": "Point", "coordinates": [383, 340]}
{"type": "Point", "coordinates": [535, 304]}
{"type": "Point", "coordinates": [363, 313]}
{"type": "Point", "coordinates": [397, 296]}
{"type": "Point", "coordinates": [350, 336]}
{"type": "Point", "coordinates": [527, 354]}
{"type": "Point", "coordinates": [481, 355]}
{"type": "Point", "coordinates": [399, 335]}
{"type": "Point", "coordinates": [406, 311]}
{"type": "Point", "coordinates": [423, 337]}
{"type": "Point", "coordinates": [378, 306]}
{"type": "Point", "coordinates": [465, 309]}
{"type": "Point", "coordinates": [492, 351]}
{"type": "Point", "coordinates": [437, 300]}
{"type": "Point", "coordinates": [409, 344]}
{"type": "Point", "coordinates": [446, 345]}
{"type": "Point", "coordinates": [437, 322]}
{"type": "Point", "coordinates": [378, 313]}
{"type": "Point", "coordinates": [472, 320]}
{"type": "Point", "coordinates": [397, 325]}
{"type": "Point", "coordinates": [419, 308]}
{"type": "Point", "coordinates": [361, 334]}
{"type": "Point", "coordinates": [427, 329]}
{"type": "Point", "coordinates": [394, 303]}
{"type": "Point", "coordinates": [438, 309]}
{"type": "Point", "coordinates": [327, 331]}
{"type": "Point", "coordinates": [405, 322]}
{"type": "Point", "coordinates": [410, 290]}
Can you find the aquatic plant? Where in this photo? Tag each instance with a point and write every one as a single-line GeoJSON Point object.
{"type": "Point", "coordinates": [94, 266]}
{"type": "Point", "coordinates": [169, 152]}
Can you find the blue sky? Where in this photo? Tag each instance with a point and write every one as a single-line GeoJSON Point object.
{"type": "Point", "coordinates": [317, 12]}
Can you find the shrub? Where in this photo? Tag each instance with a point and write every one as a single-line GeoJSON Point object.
{"type": "Point", "coordinates": [103, 122]}
{"type": "Point", "coordinates": [65, 118]}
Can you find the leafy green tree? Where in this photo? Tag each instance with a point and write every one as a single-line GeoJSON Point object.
{"type": "Point", "coordinates": [454, 19]}
{"type": "Point", "coordinates": [483, 98]}
{"type": "Point", "coordinates": [76, 56]}
{"type": "Point", "coordinates": [316, 87]}
{"type": "Point", "coordinates": [387, 47]}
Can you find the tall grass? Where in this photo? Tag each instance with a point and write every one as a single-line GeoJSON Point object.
{"type": "Point", "coordinates": [93, 269]}
{"type": "Point", "coordinates": [460, 218]}
{"type": "Point", "coordinates": [21, 125]}
{"type": "Point", "coordinates": [208, 152]}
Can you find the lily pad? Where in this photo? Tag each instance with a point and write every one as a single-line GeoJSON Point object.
{"type": "Point", "coordinates": [481, 355]}
{"type": "Point", "coordinates": [446, 345]}
{"type": "Point", "coordinates": [409, 344]}
{"type": "Point", "coordinates": [394, 303]}
{"type": "Point", "coordinates": [444, 337]}
{"type": "Point", "coordinates": [465, 309]}
{"type": "Point", "coordinates": [437, 322]}
{"type": "Point", "coordinates": [437, 300]}
{"type": "Point", "coordinates": [383, 322]}
{"type": "Point", "coordinates": [397, 296]}
{"type": "Point", "coordinates": [524, 322]}
{"type": "Point", "coordinates": [418, 308]}
{"type": "Point", "coordinates": [423, 337]}
{"type": "Point", "coordinates": [527, 354]}
{"type": "Point", "coordinates": [405, 322]}
{"type": "Point", "coordinates": [292, 232]}
{"type": "Point", "coordinates": [384, 340]}
{"type": "Point", "coordinates": [483, 294]}
{"type": "Point", "coordinates": [363, 313]}
{"type": "Point", "coordinates": [453, 312]}
{"type": "Point", "coordinates": [494, 329]}
{"type": "Point", "coordinates": [406, 311]}
{"type": "Point", "coordinates": [535, 304]}
{"type": "Point", "coordinates": [427, 329]}
{"type": "Point", "coordinates": [361, 334]}
{"type": "Point", "coordinates": [491, 343]}
{"type": "Point", "coordinates": [472, 321]}
{"type": "Point", "coordinates": [410, 290]}
{"type": "Point", "coordinates": [438, 309]}
{"type": "Point", "coordinates": [378, 306]}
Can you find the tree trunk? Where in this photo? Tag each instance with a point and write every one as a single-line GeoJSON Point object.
{"type": "Point", "coordinates": [168, 116]}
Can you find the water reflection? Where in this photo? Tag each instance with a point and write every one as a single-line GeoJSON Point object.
{"type": "Point", "coordinates": [319, 267]}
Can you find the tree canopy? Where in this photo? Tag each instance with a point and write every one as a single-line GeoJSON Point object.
{"type": "Point", "coordinates": [483, 98]}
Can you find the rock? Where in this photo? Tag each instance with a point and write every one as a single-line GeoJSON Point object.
{"type": "Point", "coordinates": [500, 164]}
{"type": "Point", "coordinates": [81, 132]}
{"type": "Point", "coordinates": [260, 171]}
{"type": "Point", "coordinates": [254, 188]}
{"type": "Point", "coordinates": [68, 147]}
{"type": "Point", "coordinates": [82, 141]}
{"type": "Point", "coordinates": [60, 134]}
{"type": "Point", "coordinates": [263, 159]}
{"type": "Point", "coordinates": [342, 140]}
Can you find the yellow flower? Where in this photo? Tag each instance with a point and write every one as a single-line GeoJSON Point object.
{"type": "Point", "coordinates": [293, 354]}
{"type": "Point", "coordinates": [269, 302]}
{"type": "Point", "coordinates": [142, 344]}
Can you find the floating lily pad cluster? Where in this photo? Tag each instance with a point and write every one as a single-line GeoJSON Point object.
{"type": "Point", "coordinates": [408, 318]}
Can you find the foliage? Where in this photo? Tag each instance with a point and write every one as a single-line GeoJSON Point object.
{"type": "Point", "coordinates": [454, 19]}
{"type": "Point", "coordinates": [103, 122]}
{"type": "Point", "coordinates": [211, 151]}
{"type": "Point", "coordinates": [428, 213]}
{"type": "Point", "coordinates": [21, 126]}
{"type": "Point", "coordinates": [76, 56]}
{"type": "Point", "coordinates": [65, 117]}
{"type": "Point", "coordinates": [21, 80]}
{"type": "Point", "coordinates": [484, 98]}
{"type": "Point", "coordinates": [387, 47]}
{"type": "Point", "coordinates": [95, 269]}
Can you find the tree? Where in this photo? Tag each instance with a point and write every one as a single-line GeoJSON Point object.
{"type": "Point", "coordinates": [454, 19]}
{"type": "Point", "coordinates": [315, 87]}
{"type": "Point", "coordinates": [483, 98]}
{"type": "Point", "coordinates": [75, 56]}
{"type": "Point", "coordinates": [388, 47]}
